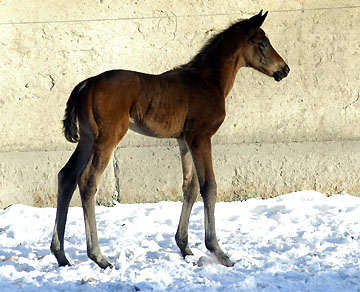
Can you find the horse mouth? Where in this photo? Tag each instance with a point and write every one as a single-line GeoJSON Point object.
{"type": "Point", "coordinates": [280, 75]}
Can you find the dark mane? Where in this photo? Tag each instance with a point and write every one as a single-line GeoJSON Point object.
{"type": "Point", "coordinates": [228, 40]}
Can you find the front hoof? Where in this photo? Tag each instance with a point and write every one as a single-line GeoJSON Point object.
{"type": "Point", "coordinates": [183, 246]}
{"type": "Point", "coordinates": [227, 262]}
{"type": "Point", "coordinates": [105, 264]}
{"type": "Point", "coordinates": [186, 252]}
{"type": "Point", "coordinates": [224, 259]}
{"type": "Point", "coordinates": [110, 266]}
{"type": "Point", "coordinates": [102, 262]}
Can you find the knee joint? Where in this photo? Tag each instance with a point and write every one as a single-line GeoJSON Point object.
{"type": "Point", "coordinates": [208, 189]}
{"type": "Point", "coordinates": [191, 184]}
{"type": "Point", "coordinates": [88, 187]}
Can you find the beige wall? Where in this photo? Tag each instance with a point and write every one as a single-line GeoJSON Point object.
{"type": "Point", "coordinates": [47, 47]}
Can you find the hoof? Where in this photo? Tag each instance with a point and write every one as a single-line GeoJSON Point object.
{"type": "Point", "coordinates": [65, 264]}
{"type": "Point", "coordinates": [62, 260]}
{"type": "Point", "coordinates": [227, 263]}
{"type": "Point", "coordinates": [224, 260]}
{"type": "Point", "coordinates": [186, 252]}
{"type": "Point", "coordinates": [104, 264]}
{"type": "Point", "coordinates": [108, 265]}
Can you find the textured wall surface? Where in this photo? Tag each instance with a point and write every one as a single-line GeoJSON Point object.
{"type": "Point", "coordinates": [47, 47]}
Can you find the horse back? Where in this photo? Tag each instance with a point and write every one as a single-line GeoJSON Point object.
{"type": "Point", "coordinates": [162, 106]}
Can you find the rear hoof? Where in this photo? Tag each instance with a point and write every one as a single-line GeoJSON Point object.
{"type": "Point", "coordinates": [62, 260]}
{"type": "Point", "coordinates": [104, 264]}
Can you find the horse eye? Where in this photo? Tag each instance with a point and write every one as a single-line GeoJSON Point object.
{"type": "Point", "coordinates": [263, 45]}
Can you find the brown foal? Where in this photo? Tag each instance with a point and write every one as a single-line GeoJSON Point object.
{"type": "Point", "coordinates": [186, 103]}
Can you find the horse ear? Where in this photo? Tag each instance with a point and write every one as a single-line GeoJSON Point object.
{"type": "Point", "coordinates": [254, 23]}
{"type": "Point", "coordinates": [263, 17]}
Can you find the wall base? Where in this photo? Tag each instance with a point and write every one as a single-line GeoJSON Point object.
{"type": "Point", "coordinates": [149, 174]}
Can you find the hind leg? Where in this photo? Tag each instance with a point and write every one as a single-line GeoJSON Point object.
{"type": "Point", "coordinates": [88, 184]}
{"type": "Point", "coordinates": [103, 147]}
{"type": "Point", "coordinates": [67, 180]}
{"type": "Point", "coordinates": [190, 189]}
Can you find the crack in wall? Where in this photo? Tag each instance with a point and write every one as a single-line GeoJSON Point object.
{"type": "Point", "coordinates": [353, 102]}
{"type": "Point", "coordinates": [52, 82]}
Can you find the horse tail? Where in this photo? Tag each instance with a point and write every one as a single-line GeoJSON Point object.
{"type": "Point", "coordinates": [70, 126]}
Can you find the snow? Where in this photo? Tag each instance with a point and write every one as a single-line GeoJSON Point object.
{"type": "Point", "coordinates": [302, 241]}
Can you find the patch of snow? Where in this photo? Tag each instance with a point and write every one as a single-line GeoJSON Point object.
{"type": "Point", "coordinates": [302, 241]}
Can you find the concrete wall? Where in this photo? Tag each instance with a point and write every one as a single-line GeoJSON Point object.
{"type": "Point", "coordinates": [277, 137]}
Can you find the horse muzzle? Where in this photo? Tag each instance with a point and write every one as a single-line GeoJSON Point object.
{"type": "Point", "coordinates": [279, 75]}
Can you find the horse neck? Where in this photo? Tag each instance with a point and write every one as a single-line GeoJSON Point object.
{"type": "Point", "coordinates": [224, 72]}
{"type": "Point", "coordinates": [230, 65]}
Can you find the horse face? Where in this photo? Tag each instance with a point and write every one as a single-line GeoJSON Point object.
{"type": "Point", "coordinates": [261, 56]}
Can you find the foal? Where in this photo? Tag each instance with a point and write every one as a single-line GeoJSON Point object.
{"type": "Point", "coordinates": [186, 103]}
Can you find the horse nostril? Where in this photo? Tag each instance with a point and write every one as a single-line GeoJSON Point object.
{"type": "Point", "coordinates": [286, 69]}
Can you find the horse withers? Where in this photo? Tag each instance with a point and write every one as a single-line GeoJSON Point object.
{"type": "Point", "coordinates": [186, 103]}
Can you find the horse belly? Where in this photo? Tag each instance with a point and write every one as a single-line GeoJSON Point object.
{"type": "Point", "coordinates": [157, 127]}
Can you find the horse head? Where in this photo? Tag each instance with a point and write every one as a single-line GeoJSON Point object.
{"type": "Point", "coordinates": [259, 53]}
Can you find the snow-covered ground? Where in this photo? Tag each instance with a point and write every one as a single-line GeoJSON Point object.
{"type": "Point", "coordinates": [302, 241]}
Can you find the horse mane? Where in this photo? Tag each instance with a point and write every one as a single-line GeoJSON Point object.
{"type": "Point", "coordinates": [227, 40]}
